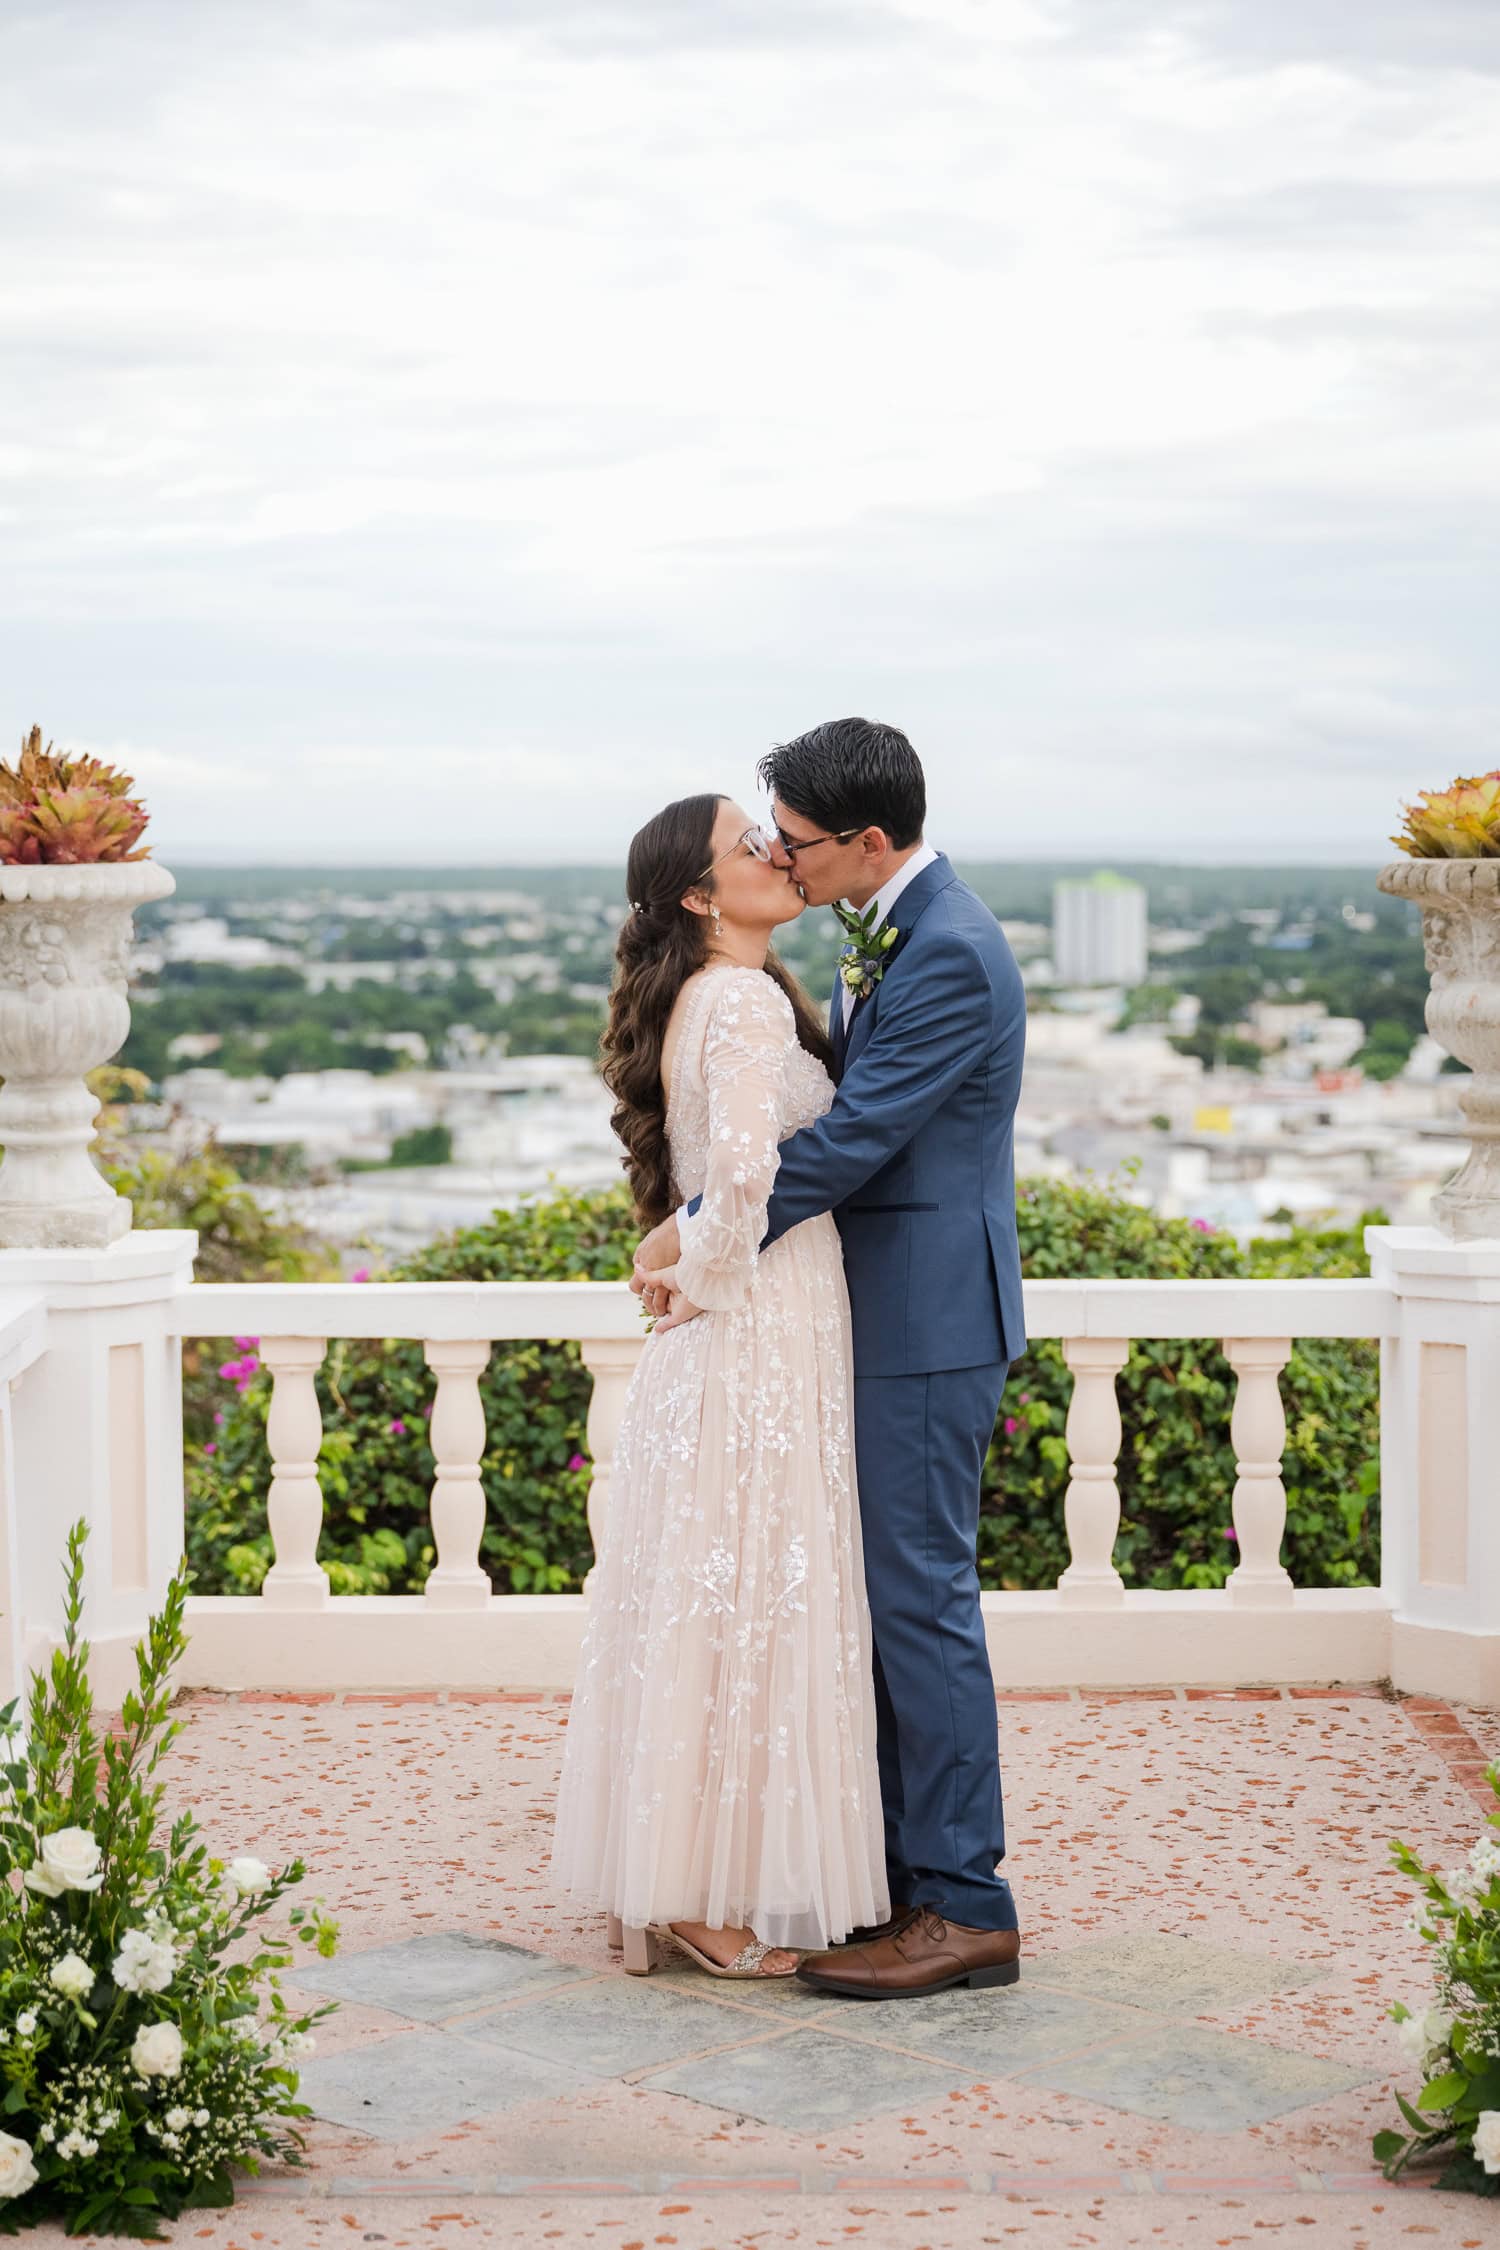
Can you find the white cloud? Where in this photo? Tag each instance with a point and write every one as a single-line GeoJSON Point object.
{"type": "Point", "coordinates": [606, 391]}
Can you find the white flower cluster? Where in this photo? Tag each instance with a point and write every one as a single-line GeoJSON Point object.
{"type": "Point", "coordinates": [147, 1959]}
{"type": "Point", "coordinates": [1466, 1884]}
{"type": "Point", "coordinates": [1426, 2031]}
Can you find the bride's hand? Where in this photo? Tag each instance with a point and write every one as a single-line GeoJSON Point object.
{"type": "Point", "coordinates": [680, 1309]}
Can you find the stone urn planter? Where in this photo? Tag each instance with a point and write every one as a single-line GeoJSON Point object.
{"type": "Point", "coordinates": [1460, 902]}
{"type": "Point", "coordinates": [65, 936]}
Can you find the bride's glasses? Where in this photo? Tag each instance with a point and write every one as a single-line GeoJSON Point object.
{"type": "Point", "coordinates": [756, 842]}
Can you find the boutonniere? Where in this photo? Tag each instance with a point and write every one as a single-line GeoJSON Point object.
{"type": "Point", "coordinates": [862, 961]}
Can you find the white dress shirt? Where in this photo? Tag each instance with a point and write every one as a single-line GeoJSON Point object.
{"type": "Point", "coordinates": [885, 900]}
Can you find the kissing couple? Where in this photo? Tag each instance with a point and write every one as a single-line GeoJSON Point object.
{"type": "Point", "coordinates": [783, 1738]}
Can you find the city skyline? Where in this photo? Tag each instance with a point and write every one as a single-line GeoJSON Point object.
{"type": "Point", "coordinates": [429, 441]}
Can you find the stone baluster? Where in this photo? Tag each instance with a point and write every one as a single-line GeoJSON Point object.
{"type": "Point", "coordinates": [1091, 1508]}
{"type": "Point", "coordinates": [457, 1580]}
{"type": "Point", "coordinates": [294, 1505]}
{"type": "Point", "coordinates": [611, 1361]}
{"type": "Point", "coordinates": [1258, 1430]}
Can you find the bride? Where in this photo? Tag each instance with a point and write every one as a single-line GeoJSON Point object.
{"type": "Point", "coordinates": [719, 1774]}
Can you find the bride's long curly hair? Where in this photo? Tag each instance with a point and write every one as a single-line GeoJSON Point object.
{"type": "Point", "coordinates": [661, 945]}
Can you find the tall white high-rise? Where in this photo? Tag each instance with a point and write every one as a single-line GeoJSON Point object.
{"type": "Point", "coordinates": [1099, 930]}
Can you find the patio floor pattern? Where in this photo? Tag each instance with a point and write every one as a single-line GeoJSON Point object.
{"type": "Point", "coordinates": [1197, 2052]}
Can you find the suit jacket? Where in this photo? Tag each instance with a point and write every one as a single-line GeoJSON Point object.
{"type": "Point", "coordinates": [916, 1157]}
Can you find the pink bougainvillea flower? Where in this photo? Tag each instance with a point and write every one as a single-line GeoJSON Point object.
{"type": "Point", "coordinates": [360, 1273]}
{"type": "Point", "coordinates": [1203, 1226]}
{"type": "Point", "coordinates": [1025, 1398]}
{"type": "Point", "coordinates": [398, 1429]}
{"type": "Point", "coordinates": [247, 1343]}
{"type": "Point", "coordinates": [1233, 1535]}
{"type": "Point", "coordinates": [1012, 1424]}
{"type": "Point", "coordinates": [210, 1447]}
{"type": "Point", "coordinates": [578, 1462]}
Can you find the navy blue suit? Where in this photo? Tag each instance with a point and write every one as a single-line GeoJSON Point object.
{"type": "Point", "coordinates": [915, 1161]}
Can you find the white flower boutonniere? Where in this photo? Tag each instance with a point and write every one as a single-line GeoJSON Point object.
{"type": "Point", "coordinates": [862, 961]}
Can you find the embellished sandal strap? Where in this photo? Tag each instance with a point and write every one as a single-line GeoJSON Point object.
{"type": "Point", "coordinates": [750, 1957]}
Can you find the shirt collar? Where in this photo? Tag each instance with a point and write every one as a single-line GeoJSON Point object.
{"type": "Point", "coordinates": [894, 885]}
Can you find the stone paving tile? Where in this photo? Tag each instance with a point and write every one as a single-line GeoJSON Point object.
{"type": "Point", "coordinates": [425, 2082]}
{"type": "Point", "coordinates": [1186, 2074]}
{"type": "Point", "coordinates": [609, 2028]}
{"type": "Point", "coordinates": [433, 1976]}
{"type": "Point", "coordinates": [1256, 1826]}
{"type": "Point", "coordinates": [805, 2082]}
{"type": "Point", "coordinates": [1176, 1975]}
{"type": "Point", "coordinates": [989, 2035]}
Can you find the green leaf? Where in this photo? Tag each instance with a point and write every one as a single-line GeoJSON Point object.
{"type": "Point", "coordinates": [1442, 2092]}
{"type": "Point", "coordinates": [1386, 2145]}
{"type": "Point", "coordinates": [1417, 2124]}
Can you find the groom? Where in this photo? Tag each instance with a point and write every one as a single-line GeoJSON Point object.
{"type": "Point", "coordinates": [914, 1160]}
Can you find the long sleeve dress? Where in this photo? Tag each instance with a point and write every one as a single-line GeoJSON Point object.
{"type": "Point", "coordinates": [720, 1757]}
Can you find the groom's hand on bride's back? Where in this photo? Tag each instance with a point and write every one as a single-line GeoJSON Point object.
{"type": "Point", "coordinates": [657, 1250]}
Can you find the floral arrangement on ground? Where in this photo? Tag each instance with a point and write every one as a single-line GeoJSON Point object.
{"type": "Point", "coordinates": [1455, 2038]}
{"type": "Point", "coordinates": [145, 2045]}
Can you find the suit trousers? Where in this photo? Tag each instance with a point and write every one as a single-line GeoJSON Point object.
{"type": "Point", "coordinates": [920, 1444]}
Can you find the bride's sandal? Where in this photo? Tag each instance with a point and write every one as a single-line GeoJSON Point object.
{"type": "Point", "coordinates": [641, 1949]}
{"type": "Point", "coordinates": [746, 1963]}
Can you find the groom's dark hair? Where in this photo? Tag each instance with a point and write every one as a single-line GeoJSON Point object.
{"type": "Point", "coordinates": [851, 773]}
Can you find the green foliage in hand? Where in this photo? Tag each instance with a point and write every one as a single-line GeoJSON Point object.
{"type": "Point", "coordinates": [145, 2046]}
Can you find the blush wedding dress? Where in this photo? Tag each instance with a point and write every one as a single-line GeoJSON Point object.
{"type": "Point", "coordinates": [720, 1757]}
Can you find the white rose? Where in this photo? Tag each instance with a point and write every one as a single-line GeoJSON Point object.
{"type": "Point", "coordinates": [200, 2116]}
{"type": "Point", "coordinates": [17, 2172]}
{"type": "Point", "coordinates": [1437, 2027]}
{"type": "Point", "coordinates": [68, 1861]}
{"type": "Point", "coordinates": [1487, 2139]}
{"type": "Point", "coordinates": [26, 2023]}
{"type": "Point", "coordinates": [157, 2050]}
{"type": "Point", "coordinates": [72, 1977]}
{"type": "Point", "coordinates": [179, 2120]}
{"type": "Point", "coordinates": [249, 1877]}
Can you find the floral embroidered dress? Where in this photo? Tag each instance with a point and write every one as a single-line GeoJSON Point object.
{"type": "Point", "coordinates": [720, 1755]}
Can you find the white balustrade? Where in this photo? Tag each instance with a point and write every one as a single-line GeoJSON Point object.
{"type": "Point", "coordinates": [294, 1504]}
{"type": "Point", "coordinates": [611, 1361]}
{"type": "Point", "coordinates": [457, 1581]}
{"type": "Point", "coordinates": [1432, 1625]}
{"type": "Point", "coordinates": [1091, 1508]}
{"type": "Point", "coordinates": [1257, 1428]}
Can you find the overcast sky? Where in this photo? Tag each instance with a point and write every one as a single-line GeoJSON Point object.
{"type": "Point", "coordinates": [449, 430]}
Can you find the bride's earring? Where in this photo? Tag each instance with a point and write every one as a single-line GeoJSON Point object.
{"type": "Point", "coordinates": [718, 921]}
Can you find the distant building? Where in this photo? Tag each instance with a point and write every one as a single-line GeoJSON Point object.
{"type": "Point", "coordinates": [1099, 930]}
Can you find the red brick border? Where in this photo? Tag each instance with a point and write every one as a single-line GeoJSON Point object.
{"type": "Point", "coordinates": [1443, 1731]}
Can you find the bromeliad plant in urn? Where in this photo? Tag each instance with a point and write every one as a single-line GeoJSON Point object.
{"type": "Point", "coordinates": [72, 872]}
{"type": "Point", "coordinates": [1451, 839]}
{"type": "Point", "coordinates": [145, 2046]}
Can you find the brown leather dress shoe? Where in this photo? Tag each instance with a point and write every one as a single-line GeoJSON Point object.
{"type": "Point", "coordinates": [927, 1955]}
{"type": "Point", "coordinates": [896, 1920]}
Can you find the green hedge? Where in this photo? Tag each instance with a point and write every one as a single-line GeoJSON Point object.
{"type": "Point", "coordinates": [1176, 1468]}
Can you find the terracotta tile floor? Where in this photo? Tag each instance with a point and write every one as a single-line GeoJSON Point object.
{"type": "Point", "coordinates": [1197, 2053]}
